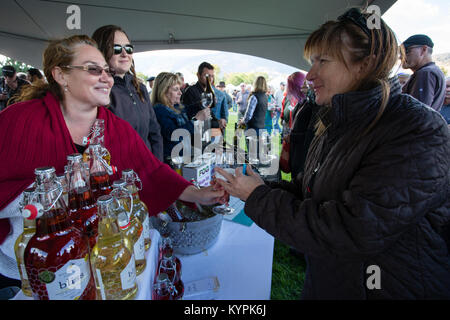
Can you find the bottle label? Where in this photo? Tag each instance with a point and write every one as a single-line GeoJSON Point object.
{"type": "Point", "coordinates": [139, 247]}
{"type": "Point", "coordinates": [128, 275]}
{"type": "Point", "coordinates": [68, 282]}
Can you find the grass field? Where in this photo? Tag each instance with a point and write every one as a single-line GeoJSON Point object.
{"type": "Point", "coordinates": [288, 269]}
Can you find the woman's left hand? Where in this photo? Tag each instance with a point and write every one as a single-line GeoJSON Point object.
{"type": "Point", "coordinates": [240, 185]}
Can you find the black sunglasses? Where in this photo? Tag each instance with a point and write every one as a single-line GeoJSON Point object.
{"type": "Point", "coordinates": [95, 70]}
{"type": "Point", "coordinates": [354, 15]}
{"type": "Point", "coordinates": [118, 48]}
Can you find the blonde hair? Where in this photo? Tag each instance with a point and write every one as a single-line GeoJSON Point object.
{"type": "Point", "coordinates": [59, 53]}
{"type": "Point", "coordinates": [163, 82]}
{"type": "Point", "coordinates": [334, 37]}
{"type": "Point", "coordinates": [260, 85]}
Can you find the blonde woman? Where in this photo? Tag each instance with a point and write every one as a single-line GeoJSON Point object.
{"type": "Point", "coordinates": [170, 113]}
{"type": "Point", "coordinates": [371, 211]}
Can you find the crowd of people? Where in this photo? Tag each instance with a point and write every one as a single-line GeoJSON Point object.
{"type": "Point", "coordinates": [368, 153]}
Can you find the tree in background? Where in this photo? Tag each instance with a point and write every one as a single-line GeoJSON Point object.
{"type": "Point", "coordinates": [236, 78]}
{"type": "Point", "coordinates": [18, 65]}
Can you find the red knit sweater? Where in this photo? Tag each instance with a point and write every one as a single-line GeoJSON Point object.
{"type": "Point", "coordinates": [34, 134]}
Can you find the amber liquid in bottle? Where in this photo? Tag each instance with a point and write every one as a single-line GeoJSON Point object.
{"type": "Point", "coordinates": [112, 262]}
{"type": "Point", "coordinates": [100, 184]}
{"type": "Point", "coordinates": [56, 260]}
{"type": "Point", "coordinates": [171, 266]}
{"type": "Point", "coordinates": [84, 213]}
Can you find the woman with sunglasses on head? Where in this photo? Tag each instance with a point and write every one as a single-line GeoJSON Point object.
{"type": "Point", "coordinates": [50, 123]}
{"type": "Point", "coordinates": [129, 97]}
{"type": "Point", "coordinates": [371, 211]}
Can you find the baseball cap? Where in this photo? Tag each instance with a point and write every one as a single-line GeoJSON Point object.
{"type": "Point", "coordinates": [8, 71]}
{"type": "Point", "coordinates": [151, 79]}
{"type": "Point", "coordinates": [221, 84]}
{"type": "Point", "coordinates": [418, 40]}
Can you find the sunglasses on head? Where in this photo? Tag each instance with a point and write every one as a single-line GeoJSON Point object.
{"type": "Point", "coordinates": [118, 48]}
{"type": "Point", "coordinates": [355, 16]}
{"type": "Point", "coordinates": [94, 69]}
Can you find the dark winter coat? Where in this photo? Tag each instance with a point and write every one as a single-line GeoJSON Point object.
{"type": "Point", "coordinates": [381, 199]}
{"type": "Point", "coordinates": [126, 104]}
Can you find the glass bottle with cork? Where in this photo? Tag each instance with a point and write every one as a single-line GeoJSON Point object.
{"type": "Point", "coordinates": [112, 262]}
{"type": "Point", "coordinates": [171, 265]}
{"type": "Point", "coordinates": [140, 210]}
{"type": "Point", "coordinates": [100, 171]}
{"type": "Point", "coordinates": [29, 229]}
{"type": "Point", "coordinates": [96, 136]}
{"type": "Point", "coordinates": [56, 257]}
{"type": "Point", "coordinates": [130, 225]}
{"type": "Point", "coordinates": [83, 210]}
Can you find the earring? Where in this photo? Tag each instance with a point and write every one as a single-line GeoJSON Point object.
{"type": "Point", "coordinates": [66, 87]}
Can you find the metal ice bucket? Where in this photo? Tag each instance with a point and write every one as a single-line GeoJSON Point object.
{"type": "Point", "coordinates": [193, 236]}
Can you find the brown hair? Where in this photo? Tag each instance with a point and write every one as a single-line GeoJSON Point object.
{"type": "Point", "coordinates": [163, 82]}
{"type": "Point", "coordinates": [260, 85]}
{"type": "Point", "coordinates": [59, 53]}
{"type": "Point", "coordinates": [104, 36]}
{"type": "Point", "coordinates": [334, 37]}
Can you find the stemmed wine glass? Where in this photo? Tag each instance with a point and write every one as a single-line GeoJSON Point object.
{"type": "Point", "coordinates": [224, 208]}
{"type": "Point", "coordinates": [207, 99]}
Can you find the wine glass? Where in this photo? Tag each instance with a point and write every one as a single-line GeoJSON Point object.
{"type": "Point", "coordinates": [207, 99]}
{"type": "Point", "coordinates": [224, 208]}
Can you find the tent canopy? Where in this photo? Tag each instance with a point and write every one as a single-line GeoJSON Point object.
{"type": "Point", "coordinates": [275, 30]}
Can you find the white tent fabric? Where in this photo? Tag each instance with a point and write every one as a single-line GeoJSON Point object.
{"type": "Point", "coordinates": [275, 30]}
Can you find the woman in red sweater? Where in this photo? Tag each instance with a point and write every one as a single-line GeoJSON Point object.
{"type": "Point", "coordinates": [50, 124]}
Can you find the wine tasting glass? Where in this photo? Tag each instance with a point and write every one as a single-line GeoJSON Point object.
{"type": "Point", "coordinates": [224, 208]}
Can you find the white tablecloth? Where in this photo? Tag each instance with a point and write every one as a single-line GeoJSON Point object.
{"type": "Point", "coordinates": [241, 259]}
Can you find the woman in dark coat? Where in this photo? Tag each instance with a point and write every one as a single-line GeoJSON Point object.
{"type": "Point", "coordinates": [129, 96]}
{"type": "Point", "coordinates": [371, 212]}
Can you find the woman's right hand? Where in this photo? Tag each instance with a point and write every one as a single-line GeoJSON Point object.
{"type": "Point", "coordinates": [203, 114]}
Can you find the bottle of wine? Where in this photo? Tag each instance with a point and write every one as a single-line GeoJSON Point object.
{"type": "Point", "coordinates": [210, 90]}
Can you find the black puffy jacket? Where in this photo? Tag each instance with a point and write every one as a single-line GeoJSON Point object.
{"type": "Point", "coordinates": [380, 199]}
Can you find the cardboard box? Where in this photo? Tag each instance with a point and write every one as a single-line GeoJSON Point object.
{"type": "Point", "coordinates": [201, 172]}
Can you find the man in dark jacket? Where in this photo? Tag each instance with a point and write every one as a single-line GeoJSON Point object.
{"type": "Point", "coordinates": [10, 86]}
{"type": "Point", "coordinates": [427, 83]}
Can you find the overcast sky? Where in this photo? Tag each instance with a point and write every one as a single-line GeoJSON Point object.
{"type": "Point", "coordinates": [405, 17]}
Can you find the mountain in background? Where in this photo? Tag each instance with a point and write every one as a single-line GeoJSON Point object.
{"type": "Point", "coordinates": [187, 61]}
{"type": "Point", "coordinates": [443, 61]}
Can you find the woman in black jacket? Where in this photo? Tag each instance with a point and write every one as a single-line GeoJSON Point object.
{"type": "Point", "coordinates": [255, 114]}
{"type": "Point", "coordinates": [371, 212]}
{"type": "Point", "coordinates": [129, 97]}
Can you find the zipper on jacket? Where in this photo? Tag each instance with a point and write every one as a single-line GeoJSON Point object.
{"type": "Point", "coordinates": [311, 181]}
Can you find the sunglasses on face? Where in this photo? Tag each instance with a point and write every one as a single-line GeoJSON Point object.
{"type": "Point", "coordinates": [95, 70]}
{"type": "Point", "coordinates": [118, 48]}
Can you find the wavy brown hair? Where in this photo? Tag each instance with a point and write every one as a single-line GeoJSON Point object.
{"type": "Point", "coordinates": [59, 53]}
{"type": "Point", "coordinates": [104, 36]}
{"type": "Point", "coordinates": [334, 37]}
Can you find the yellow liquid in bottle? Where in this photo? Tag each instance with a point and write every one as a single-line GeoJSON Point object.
{"type": "Point", "coordinates": [106, 155]}
{"type": "Point", "coordinates": [141, 212]}
{"type": "Point", "coordinates": [133, 231]}
{"type": "Point", "coordinates": [112, 264]}
{"type": "Point", "coordinates": [19, 249]}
